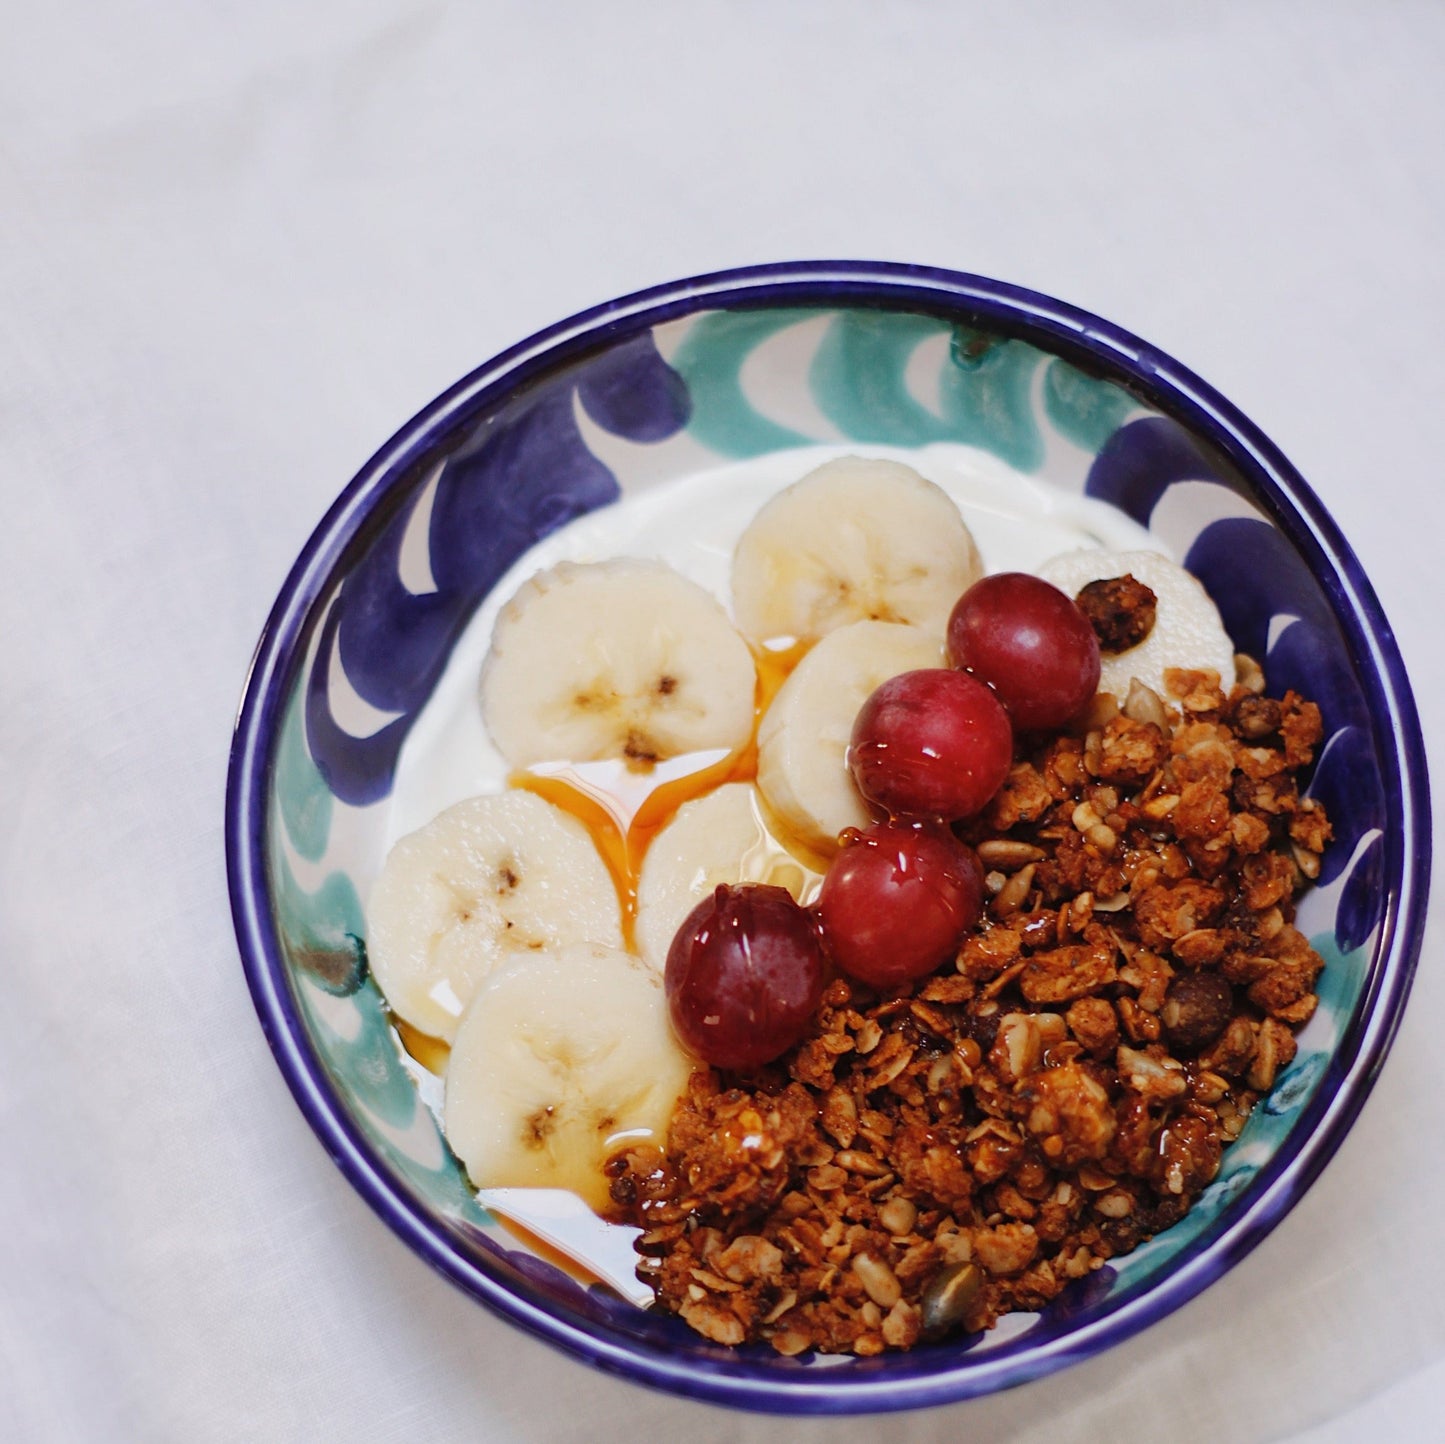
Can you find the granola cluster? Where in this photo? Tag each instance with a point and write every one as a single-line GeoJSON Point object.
{"type": "Point", "coordinates": [926, 1161]}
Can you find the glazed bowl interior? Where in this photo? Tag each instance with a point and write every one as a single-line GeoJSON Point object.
{"type": "Point", "coordinates": [659, 387]}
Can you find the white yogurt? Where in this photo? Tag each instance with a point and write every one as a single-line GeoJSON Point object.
{"type": "Point", "coordinates": [693, 524]}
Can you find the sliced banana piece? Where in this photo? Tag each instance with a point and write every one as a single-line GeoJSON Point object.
{"type": "Point", "coordinates": [855, 540]}
{"type": "Point", "coordinates": [562, 1056]}
{"type": "Point", "coordinates": [803, 739]}
{"type": "Point", "coordinates": [720, 838]}
{"type": "Point", "coordinates": [622, 658]}
{"type": "Point", "coordinates": [1187, 630]}
{"type": "Point", "coordinates": [488, 878]}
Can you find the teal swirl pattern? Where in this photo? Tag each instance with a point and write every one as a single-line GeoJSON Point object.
{"type": "Point", "coordinates": [323, 935]}
{"type": "Point", "coordinates": [858, 379]}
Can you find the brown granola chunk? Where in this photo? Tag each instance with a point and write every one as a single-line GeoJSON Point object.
{"type": "Point", "coordinates": [1166, 913]}
{"type": "Point", "coordinates": [1074, 971]}
{"type": "Point", "coordinates": [1130, 751]}
{"type": "Point", "coordinates": [1121, 611]}
{"type": "Point", "coordinates": [987, 954]}
{"type": "Point", "coordinates": [1095, 1024]}
{"type": "Point", "coordinates": [1024, 797]}
{"type": "Point", "coordinates": [1007, 1249]}
{"type": "Point", "coordinates": [1301, 727]}
{"type": "Point", "coordinates": [1310, 827]}
{"type": "Point", "coordinates": [1070, 1112]}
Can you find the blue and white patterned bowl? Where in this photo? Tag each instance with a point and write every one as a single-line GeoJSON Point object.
{"type": "Point", "coordinates": [735, 365]}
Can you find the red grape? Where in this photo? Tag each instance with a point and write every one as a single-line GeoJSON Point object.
{"type": "Point", "coordinates": [931, 743]}
{"type": "Point", "coordinates": [897, 902]}
{"type": "Point", "coordinates": [1030, 643]}
{"type": "Point", "coordinates": [744, 974]}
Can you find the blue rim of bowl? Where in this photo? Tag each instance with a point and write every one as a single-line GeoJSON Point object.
{"type": "Point", "coordinates": [1085, 339]}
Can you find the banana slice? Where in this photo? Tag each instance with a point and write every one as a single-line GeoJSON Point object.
{"type": "Point", "coordinates": [803, 740]}
{"type": "Point", "coordinates": [561, 1057]}
{"type": "Point", "coordinates": [622, 658]}
{"type": "Point", "coordinates": [720, 838]}
{"type": "Point", "coordinates": [488, 878]}
{"type": "Point", "coordinates": [855, 540]}
{"type": "Point", "coordinates": [1187, 630]}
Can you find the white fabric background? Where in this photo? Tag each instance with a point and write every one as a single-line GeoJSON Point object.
{"type": "Point", "coordinates": [241, 242]}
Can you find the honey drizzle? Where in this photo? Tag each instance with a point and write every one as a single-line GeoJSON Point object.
{"type": "Point", "coordinates": [432, 1053]}
{"type": "Point", "coordinates": [548, 1251]}
{"type": "Point", "coordinates": [623, 846]}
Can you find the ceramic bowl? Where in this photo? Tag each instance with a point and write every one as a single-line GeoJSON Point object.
{"type": "Point", "coordinates": [737, 365]}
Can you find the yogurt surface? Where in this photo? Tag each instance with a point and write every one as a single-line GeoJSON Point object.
{"type": "Point", "coordinates": [693, 524]}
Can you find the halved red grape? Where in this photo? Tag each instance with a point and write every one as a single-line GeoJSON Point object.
{"type": "Point", "coordinates": [897, 901]}
{"type": "Point", "coordinates": [1030, 643]}
{"type": "Point", "coordinates": [931, 743]}
{"type": "Point", "coordinates": [744, 974]}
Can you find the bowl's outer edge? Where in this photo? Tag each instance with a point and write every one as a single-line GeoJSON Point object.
{"type": "Point", "coordinates": [1172, 387]}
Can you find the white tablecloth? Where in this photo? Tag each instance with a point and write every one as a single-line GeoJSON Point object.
{"type": "Point", "coordinates": [240, 243]}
